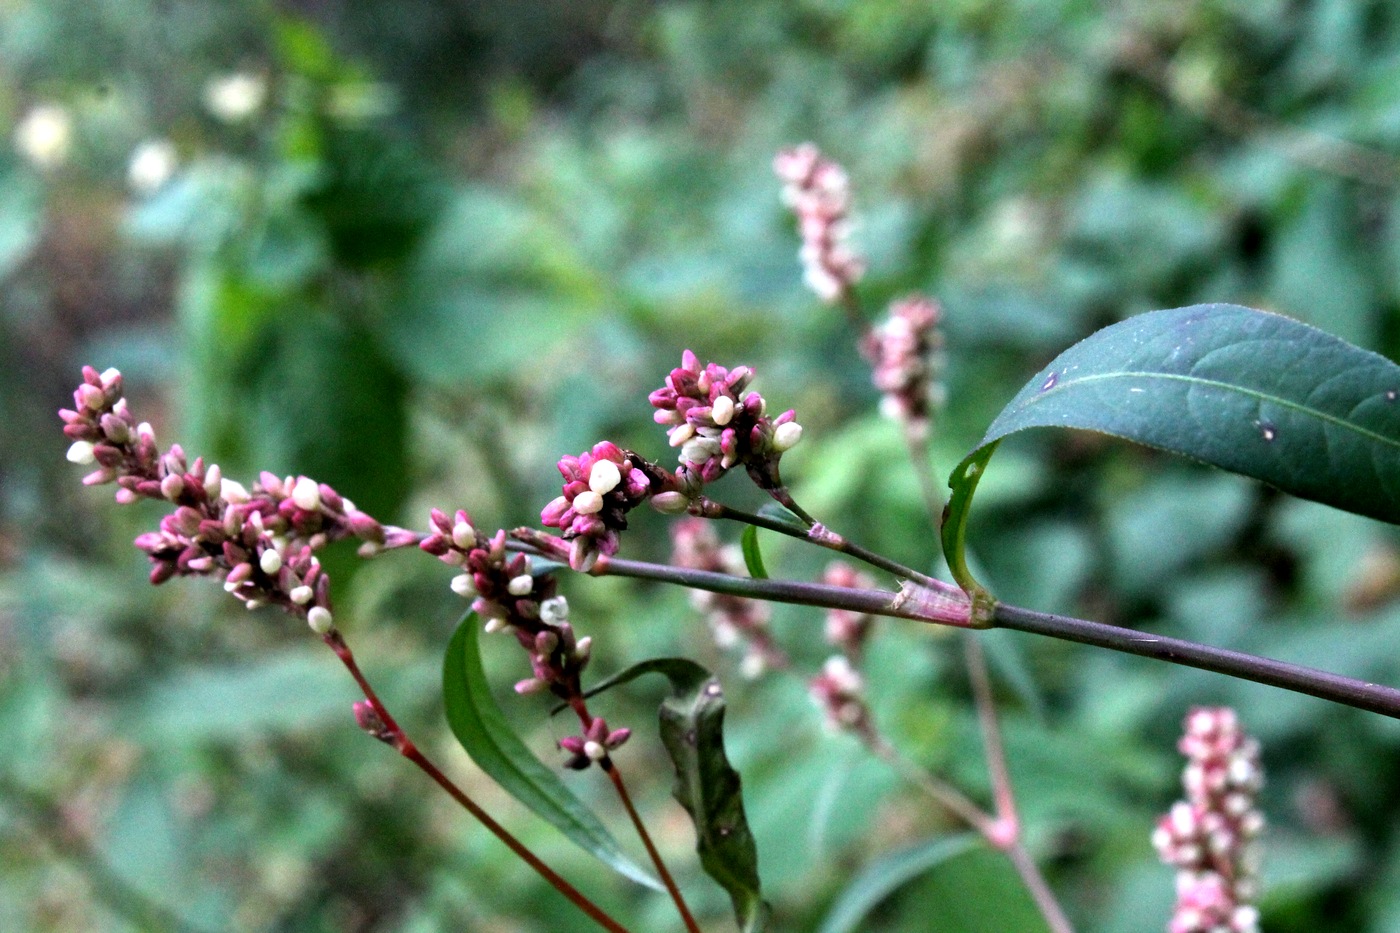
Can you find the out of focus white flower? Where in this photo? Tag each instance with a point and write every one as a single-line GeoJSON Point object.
{"type": "Point", "coordinates": [152, 164]}
{"type": "Point", "coordinates": [45, 136]}
{"type": "Point", "coordinates": [235, 97]}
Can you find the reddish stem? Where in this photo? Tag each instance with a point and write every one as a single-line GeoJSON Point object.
{"type": "Point", "coordinates": [404, 746]}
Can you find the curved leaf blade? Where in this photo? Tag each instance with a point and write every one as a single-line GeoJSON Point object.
{"type": "Point", "coordinates": [1248, 391]}
{"type": "Point", "coordinates": [882, 877]}
{"type": "Point", "coordinates": [692, 730]}
{"type": "Point", "coordinates": [482, 730]}
{"type": "Point", "coordinates": [753, 557]}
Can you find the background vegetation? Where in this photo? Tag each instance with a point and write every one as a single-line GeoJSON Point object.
{"type": "Point", "coordinates": [458, 240]}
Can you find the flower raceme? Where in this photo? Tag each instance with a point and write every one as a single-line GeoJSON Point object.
{"type": "Point", "coordinates": [818, 192]}
{"type": "Point", "coordinates": [1211, 837]}
{"type": "Point", "coordinates": [261, 541]}
{"type": "Point", "coordinates": [600, 487]}
{"type": "Point", "coordinates": [718, 425]}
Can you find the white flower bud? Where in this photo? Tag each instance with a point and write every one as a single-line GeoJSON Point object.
{"type": "Point", "coordinates": [722, 411]}
{"type": "Point", "coordinates": [301, 595]}
{"type": "Point", "coordinates": [81, 452]}
{"type": "Point", "coordinates": [235, 97]}
{"type": "Point", "coordinates": [172, 486]}
{"type": "Point", "coordinates": [464, 536]}
{"type": "Point", "coordinates": [670, 503]}
{"type": "Point", "coordinates": [306, 494]}
{"type": "Point", "coordinates": [213, 481]}
{"type": "Point", "coordinates": [786, 436]}
{"type": "Point", "coordinates": [588, 503]}
{"type": "Point", "coordinates": [463, 585]}
{"type": "Point", "coordinates": [604, 477]}
{"type": "Point", "coordinates": [270, 562]}
{"type": "Point", "coordinates": [521, 585]}
{"type": "Point", "coordinates": [594, 750]}
{"type": "Point", "coordinates": [233, 492]}
{"type": "Point", "coordinates": [680, 434]}
{"type": "Point", "coordinates": [584, 647]}
{"type": "Point", "coordinates": [320, 620]}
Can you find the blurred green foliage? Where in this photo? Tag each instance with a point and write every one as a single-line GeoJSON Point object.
{"type": "Point", "coordinates": [456, 241]}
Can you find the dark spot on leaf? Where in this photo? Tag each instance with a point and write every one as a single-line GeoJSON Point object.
{"type": "Point", "coordinates": [1049, 382]}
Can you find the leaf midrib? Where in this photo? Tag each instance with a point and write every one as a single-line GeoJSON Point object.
{"type": "Point", "coordinates": [1217, 384]}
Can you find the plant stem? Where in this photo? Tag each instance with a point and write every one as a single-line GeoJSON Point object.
{"type": "Point", "coordinates": [611, 768]}
{"type": "Point", "coordinates": [579, 704]}
{"type": "Point", "coordinates": [817, 534]}
{"type": "Point", "coordinates": [946, 795]}
{"type": "Point", "coordinates": [938, 606]}
{"type": "Point", "coordinates": [1039, 890]}
{"type": "Point", "coordinates": [1375, 698]}
{"type": "Point", "coordinates": [395, 736]}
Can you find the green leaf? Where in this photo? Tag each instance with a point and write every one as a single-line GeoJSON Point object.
{"type": "Point", "coordinates": [482, 729]}
{"type": "Point", "coordinates": [753, 557]}
{"type": "Point", "coordinates": [881, 877]}
{"type": "Point", "coordinates": [692, 729]}
{"type": "Point", "coordinates": [1247, 391]}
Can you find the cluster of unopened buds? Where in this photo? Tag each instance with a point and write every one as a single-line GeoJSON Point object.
{"type": "Point", "coordinates": [259, 541]}
{"type": "Point", "coordinates": [819, 193]}
{"type": "Point", "coordinates": [1211, 837]}
{"type": "Point", "coordinates": [600, 487]}
{"type": "Point", "coordinates": [903, 352]}
{"type": "Point", "coordinates": [734, 620]}
{"type": "Point", "coordinates": [839, 691]}
{"type": "Point", "coordinates": [846, 629]}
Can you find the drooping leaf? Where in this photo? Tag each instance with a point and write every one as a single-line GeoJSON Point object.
{"type": "Point", "coordinates": [753, 557]}
{"type": "Point", "coordinates": [692, 729]}
{"type": "Point", "coordinates": [481, 727]}
{"type": "Point", "coordinates": [1247, 391]}
{"type": "Point", "coordinates": [882, 877]}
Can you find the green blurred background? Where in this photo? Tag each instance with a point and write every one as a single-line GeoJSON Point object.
{"type": "Point", "coordinates": [421, 249]}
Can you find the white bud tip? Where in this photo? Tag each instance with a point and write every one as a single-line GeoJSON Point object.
{"type": "Point", "coordinates": [594, 750]}
{"type": "Point", "coordinates": [270, 561]}
{"type": "Point", "coordinates": [786, 436]}
{"type": "Point", "coordinates": [81, 453]}
{"type": "Point", "coordinates": [233, 492]}
{"type": "Point", "coordinates": [463, 585]}
{"type": "Point", "coordinates": [521, 585]}
{"type": "Point", "coordinates": [110, 375]}
{"type": "Point", "coordinates": [588, 503]}
{"type": "Point", "coordinates": [722, 412]}
{"type": "Point", "coordinates": [604, 477]}
{"type": "Point", "coordinates": [301, 595]}
{"type": "Point", "coordinates": [494, 625]}
{"type": "Point", "coordinates": [464, 535]}
{"type": "Point", "coordinates": [306, 494]}
{"type": "Point", "coordinates": [584, 647]}
{"type": "Point", "coordinates": [320, 620]}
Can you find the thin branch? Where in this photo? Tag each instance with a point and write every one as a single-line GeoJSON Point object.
{"type": "Point", "coordinates": [666, 879]}
{"type": "Point", "coordinates": [393, 735]}
{"type": "Point", "coordinates": [817, 534]}
{"type": "Point", "coordinates": [940, 607]}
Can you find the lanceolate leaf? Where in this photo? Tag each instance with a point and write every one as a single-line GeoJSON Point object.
{"type": "Point", "coordinates": [1248, 391]}
{"type": "Point", "coordinates": [692, 729]}
{"type": "Point", "coordinates": [881, 878]}
{"type": "Point", "coordinates": [753, 557]}
{"type": "Point", "coordinates": [482, 729]}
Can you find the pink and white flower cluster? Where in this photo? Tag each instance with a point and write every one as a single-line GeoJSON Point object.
{"type": "Point", "coordinates": [1211, 837]}
{"type": "Point", "coordinates": [259, 541]}
{"type": "Point", "coordinates": [819, 193]}
{"type": "Point", "coordinates": [734, 620]}
{"type": "Point", "coordinates": [904, 353]}
{"type": "Point", "coordinates": [513, 599]}
{"type": "Point", "coordinates": [847, 630]}
{"type": "Point", "coordinates": [718, 425]}
{"type": "Point", "coordinates": [839, 690]}
{"type": "Point", "coordinates": [600, 487]}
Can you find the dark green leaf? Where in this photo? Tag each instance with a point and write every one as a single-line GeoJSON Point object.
{"type": "Point", "coordinates": [482, 729]}
{"type": "Point", "coordinates": [881, 877]}
{"type": "Point", "coordinates": [753, 557]}
{"type": "Point", "coordinates": [1248, 391]}
{"type": "Point", "coordinates": [692, 729]}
